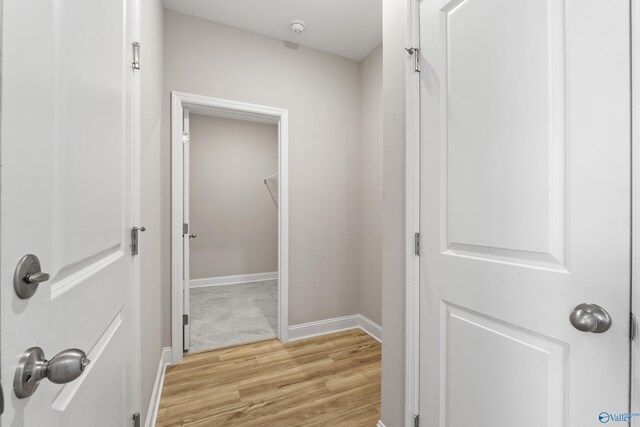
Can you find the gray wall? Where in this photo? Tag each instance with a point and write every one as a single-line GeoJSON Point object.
{"type": "Point", "coordinates": [370, 192]}
{"type": "Point", "coordinates": [393, 310]}
{"type": "Point", "coordinates": [154, 268]}
{"type": "Point", "coordinates": [230, 209]}
{"type": "Point", "coordinates": [321, 92]}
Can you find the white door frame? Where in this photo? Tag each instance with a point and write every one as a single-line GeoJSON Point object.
{"type": "Point", "coordinates": [136, 299]}
{"type": "Point", "coordinates": [635, 208]}
{"type": "Point", "coordinates": [412, 216]}
{"type": "Point", "coordinates": [412, 219]}
{"type": "Point", "coordinates": [243, 111]}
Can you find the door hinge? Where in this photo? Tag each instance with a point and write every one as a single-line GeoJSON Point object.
{"type": "Point", "coordinates": [416, 244]}
{"type": "Point", "coordinates": [632, 327]}
{"type": "Point", "coordinates": [136, 55]}
{"type": "Point", "coordinates": [135, 239]}
{"type": "Point", "coordinates": [416, 421]}
{"type": "Point", "coordinates": [185, 137]}
{"type": "Point", "coordinates": [415, 51]}
{"type": "Point", "coordinates": [185, 319]}
{"type": "Point", "coordinates": [136, 419]}
{"type": "Point", "coordinates": [185, 229]}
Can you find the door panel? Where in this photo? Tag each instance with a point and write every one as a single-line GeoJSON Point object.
{"type": "Point", "coordinates": [88, 176]}
{"type": "Point", "coordinates": [505, 358]}
{"type": "Point", "coordinates": [487, 201]}
{"type": "Point", "coordinates": [67, 145]}
{"type": "Point", "coordinates": [525, 210]}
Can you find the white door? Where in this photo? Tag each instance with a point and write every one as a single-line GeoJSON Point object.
{"type": "Point", "coordinates": [66, 197]}
{"type": "Point", "coordinates": [186, 237]}
{"type": "Point", "coordinates": [525, 211]}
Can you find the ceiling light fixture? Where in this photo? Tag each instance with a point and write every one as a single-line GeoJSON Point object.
{"type": "Point", "coordinates": [297, 26]}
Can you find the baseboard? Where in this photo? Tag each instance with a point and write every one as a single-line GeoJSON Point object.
{"type": "Point", "coordinates": [323, 327]}
{"type": "Point", "coordinates": [154, 404]}
{"type": "Point", "coordinates": [233, 280]}
{"type": "Point", "coordinates": [380, 424]}
{"type": "Point", "coordinates": [337, 324]}
{"type": "Point", "coordinates": [371, 327]}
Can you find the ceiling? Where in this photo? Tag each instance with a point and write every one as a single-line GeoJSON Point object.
{"type": "Point", "coordinates": [348, 28]}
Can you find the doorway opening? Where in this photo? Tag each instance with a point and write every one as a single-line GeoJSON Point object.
{"type": "Point", "coordinates": [229, 223]}
{"type": "Point", "coordinates": [232, 198]}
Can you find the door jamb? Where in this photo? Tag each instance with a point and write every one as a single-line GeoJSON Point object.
{"type": "Point", "coordinates": [635, 207]}
{"type": "Point", "coordinates": [240, 110]}
{"type": "Point", "coordinates": [136, 208]}
{"type": "Point", "coordinates": [412, 219]}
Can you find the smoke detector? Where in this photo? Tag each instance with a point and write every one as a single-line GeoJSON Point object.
{"type": "Point", "coordinates": [297, 26]}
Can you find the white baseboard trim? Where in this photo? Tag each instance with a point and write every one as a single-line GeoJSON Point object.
{"type": "Point", "coordinates": [232, 280]}
{"type": "Point", "coordinates": [337, 324]}
{"type": "Point", "coordinates": [154, 404]}
{"type": "Point", "coordinates": [322, 327]}
{"type": "Point", "coordinates": [380, 424]}
{"type": "Point", "coordinates": [371, 327]}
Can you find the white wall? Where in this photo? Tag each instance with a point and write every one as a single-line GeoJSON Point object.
{"type": "Point", "coordinates": [370, 192]}
{"type": "Point", "coordinates": [321, 92]}
{"type": "Point", "coordinates": [393, 310]}
{"type": "Point", "coordinates": [154, 242]}
{"type": "Point", "coordinates": [231, 211]}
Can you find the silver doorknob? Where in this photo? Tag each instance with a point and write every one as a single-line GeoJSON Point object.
{"type": "Point", "coordinates": [28, 276]}
{"type": "Point", "coordinates": [193, 236]}
{"type": "Point", "coordinates": [63, 368]}
{"type": "Point", "coordinates": [590, 318]}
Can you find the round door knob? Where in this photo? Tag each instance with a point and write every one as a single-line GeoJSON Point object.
{"type": "Point", "coordinates": [65, 366]}
{"type": "Point", "coordinates": [33, 367]}
{"type": "Point", "coordinates": [590, 318]}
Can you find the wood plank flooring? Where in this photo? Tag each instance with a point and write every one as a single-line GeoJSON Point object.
{"type": "Point", "coordinates": [332, 380]}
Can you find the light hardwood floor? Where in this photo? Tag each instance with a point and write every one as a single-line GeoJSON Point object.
{"type": "Point", "coordinates": [332, 380]}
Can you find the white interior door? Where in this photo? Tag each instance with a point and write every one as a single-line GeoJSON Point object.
{"type": "Point", "coordinates": [186, 237]}
{"type": "Point", "coordinates": [525, 211]}
{"type": "Point", "coordinates": [67, 140]}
